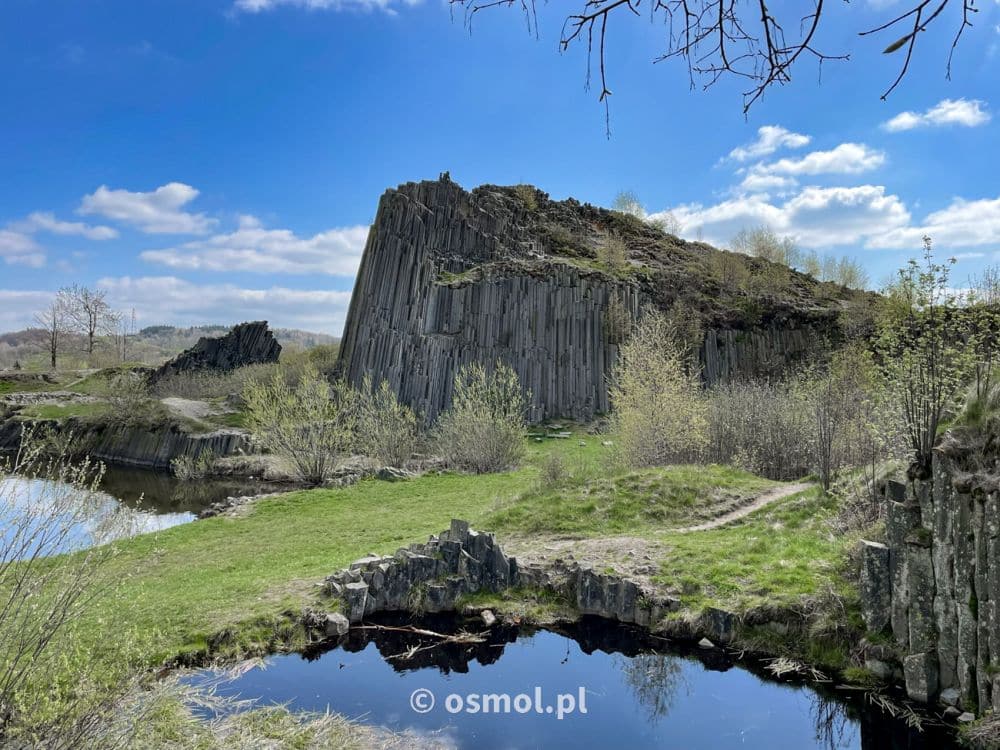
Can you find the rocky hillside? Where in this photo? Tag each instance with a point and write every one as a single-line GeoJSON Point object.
{"type": "Point", "coordinates": [450, 276]}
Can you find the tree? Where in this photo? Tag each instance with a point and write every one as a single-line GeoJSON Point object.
{"type": "Point", "coordinates": [387, 429]}
{"type": "Point", "coordinates": [483, 430]}
{"type": "Point", "coordinates": [923, 350]}
{"type": "Point", "coordinates": [55, 321]}
{"type": "Point", "coordinates": [627, 202]}
{"type": "Point", "coordinates": [88, 310]}
{"type": "Point", "coordinates": [726, 39]}
{"type": "Point", "coordinates": [659, 411]}
{"type": "Point", "coordinates": [308, 424]}
{"type": "Point", "coordinates": [121, 327]}
{"type": "Point", "coordinates": [763, 242]}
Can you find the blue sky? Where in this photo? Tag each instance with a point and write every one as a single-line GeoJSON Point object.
{"type": "Point", "coordinates": [217, 160]}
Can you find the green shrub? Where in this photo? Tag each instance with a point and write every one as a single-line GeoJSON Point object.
{"type": "Point", "coordinates": [483, 431]}
{"type": "Point", "coordinates": [660, 414]}
{"type": "Point", "coordinates": [387, 430]}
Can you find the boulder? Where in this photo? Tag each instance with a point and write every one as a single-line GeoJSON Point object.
{"type": "Point", "coordinates": [337, 624]}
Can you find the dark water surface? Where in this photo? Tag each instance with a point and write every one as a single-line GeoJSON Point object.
{"type": "Point", "coordinates": [637, 695]}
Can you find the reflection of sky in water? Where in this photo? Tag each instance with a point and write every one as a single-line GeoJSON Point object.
{"type": "Point", "coordinates": [649, 700]}
{"type": "Point", "coordinates": [89, 517]}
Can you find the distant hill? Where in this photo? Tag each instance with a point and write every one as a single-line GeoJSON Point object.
{"type": "Point", "coordinates": [152, 345]}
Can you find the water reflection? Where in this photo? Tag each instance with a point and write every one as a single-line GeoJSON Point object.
{"type": "Point", "coordinates": [639, 694]}
{"type": "Point", "coordinates": [88, 505]}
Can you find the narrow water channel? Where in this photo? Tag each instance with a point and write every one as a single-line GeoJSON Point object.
{"type": "Point", "coordinates": [595, 685]}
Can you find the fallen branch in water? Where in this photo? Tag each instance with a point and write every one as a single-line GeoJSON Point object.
{"type": "Point", "coordinates": [784, 666]}
{"type": "Point", "coordinates": [461, 637]}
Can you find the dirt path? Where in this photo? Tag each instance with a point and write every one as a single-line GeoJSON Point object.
{"type": "Point", "coordinates": [762, 500]}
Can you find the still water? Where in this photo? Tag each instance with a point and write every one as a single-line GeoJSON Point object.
{"type": "Point", "coordinates": [152, 502]}
{"type": "Point", "coordinates": [638, 693]}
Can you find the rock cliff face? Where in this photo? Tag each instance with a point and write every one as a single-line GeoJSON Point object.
{"type": "Point", "coordinates": [450, 277]}
{"type": "Point", "coordinates": [936, 584]}
{"type": "Point", "coordinates": [153, 447]}
{"type": "Point", "coordinates": [247, 344]}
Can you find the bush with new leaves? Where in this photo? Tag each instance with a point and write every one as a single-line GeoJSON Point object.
{"type": "Point", "coordinates": [309, 423]}
{"type": "Point", "coordinates": [660, 412]}
{"type": "Point", "coordinates": [387, 430]}
{"type": "Point", "coordinates": [483, 431]}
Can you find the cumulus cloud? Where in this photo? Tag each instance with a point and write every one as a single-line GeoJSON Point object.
{"type": "Point", "coordinates": [968, 113]}
{"type": "Point", "coordinates": [814, 217]}
{"type": "Point", "coordinates": [769, 139]}
{"type": "Point", "coordinates": [18, 248]}
{"type": "Point", "coordinates": [170, 300]}
{"type": "Point", "coordinates": [157, 212]}
{"type": "Point", "coordinates": [252, 247]}
{"type": "Point", "coordinates": [963, 223]}
{"type": "Point", "coordinates": [847, 158]}
{"type": "Point", "coordinates": [45, 221]}
{"type": "Point", "coordinates": [256, 6]}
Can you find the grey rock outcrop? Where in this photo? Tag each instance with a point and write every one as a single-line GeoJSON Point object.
{"type": "Point", "coordinates": [246, 344]}
{"type": "Point", "coordinates": [432, 577]}
{"type": "Point", "coordinates": [145, 447]}
{"type": "Point", "coordinates": [943, 578]}
{"type": "Point", "coordinates": [450, 277]}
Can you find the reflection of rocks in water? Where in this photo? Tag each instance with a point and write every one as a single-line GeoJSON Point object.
{"type": "Point", "coordinates": [158, 492]}
{"type": "Point", "coordinates": [406, 651]}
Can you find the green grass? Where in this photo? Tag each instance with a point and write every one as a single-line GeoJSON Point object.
{"type": "Point", "coordinates": [241, 575]}
{"type": "Point", "coordinates": [25, 386]}
{"type": "Point", "coordinates": [82, 410]}
{"type": "Point", "coordinates": [774, 557]}
{"type": "Point", "coordinates": [632, 503]}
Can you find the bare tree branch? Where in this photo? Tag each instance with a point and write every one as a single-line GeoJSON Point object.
{"type": "Point", "coordinates": [726, 38]}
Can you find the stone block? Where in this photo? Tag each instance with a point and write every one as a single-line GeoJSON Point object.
{"type": "Point", "coordinates": [876, 586]}
{"type": "Point", "coordinates": [920, 671]}
{"type": "Point", "coordinates": [356, 599]}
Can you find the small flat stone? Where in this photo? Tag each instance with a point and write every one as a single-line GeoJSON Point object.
{"type": "Point", "coordinates": [705, 643]}
{"type": "Point", "coordinates": [966, 718]}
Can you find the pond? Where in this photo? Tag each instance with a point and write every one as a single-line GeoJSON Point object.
{"type": "Point", "coordinates": [595, 684]}
{"type": "Point", "coordinates": [154, 501]}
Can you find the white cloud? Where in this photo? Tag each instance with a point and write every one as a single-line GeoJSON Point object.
{"type": "Point", "coordinates": [759, 182]}
{"type": "Point", "coordinates": [963, 223]}
{"type": "Point", "coordinates": [18, 306]}
{"type": "Point", "coordinates": [17, 248]}
{"type": "Point", "coordinates": [965, 112]}
{"type": "Point", "coordinates": [847, 158]}
{"type": "Point", "coordinates": [44, 221]}
{"type": "Point", "coordinates": [156, 212]}
{"type": "Point", "coordinates": [256, 6]}
{"type": "Point", "coordinates": [814, 217]}
{"type": "Point", "coordinates": [769, 139]}
{"type": "Point", "coordinates": [254, 248]}
{"type": "Point", "coordinates": [170, 300]}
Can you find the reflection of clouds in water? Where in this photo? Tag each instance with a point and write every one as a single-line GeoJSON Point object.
{"type": "Point", "coordinates": [30, 510]}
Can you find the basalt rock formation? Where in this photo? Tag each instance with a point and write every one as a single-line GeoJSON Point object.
{"type": "Point", "coordinates": [450, 277]}
{"type": "Point", "coordinates": [247, 344]}
{"type": "Point", "coordinates": [935, 584]}
{"type": "Point", "coordinates": [432, 577]}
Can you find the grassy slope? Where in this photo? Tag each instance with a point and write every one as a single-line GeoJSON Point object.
{"type": "Point", "coordinates": [188, 582]}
